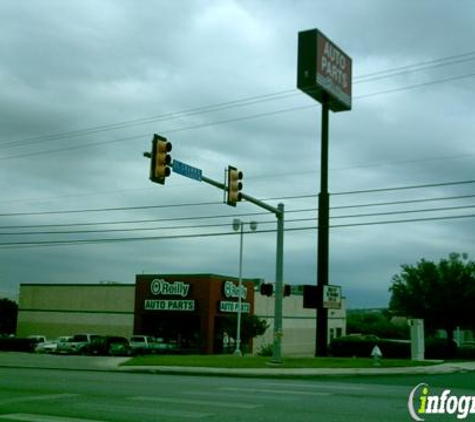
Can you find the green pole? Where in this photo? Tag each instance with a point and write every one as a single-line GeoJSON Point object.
{"type": "Point", "coordinates": [279, 286]}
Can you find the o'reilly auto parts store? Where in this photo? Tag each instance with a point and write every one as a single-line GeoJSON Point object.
{"type": "Point", "coordinates": [186, 309]}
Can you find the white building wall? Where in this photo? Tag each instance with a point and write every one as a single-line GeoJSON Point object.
{"type": "Point", "coordinates": [298, 325]}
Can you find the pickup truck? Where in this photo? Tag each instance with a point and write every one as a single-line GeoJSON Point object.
{"type": "Point", "coordinates": [148, 345]}
{"type": "Point", "coordinates": [36, 341]}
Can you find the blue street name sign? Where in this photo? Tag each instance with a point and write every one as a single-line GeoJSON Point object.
{"type": "Point", "coordinates": [186, 170]}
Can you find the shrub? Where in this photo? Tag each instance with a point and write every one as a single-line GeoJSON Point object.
{"type": "Point", "coordinates": [466, 352]}
{"type": "Point", "coordinates": [362, 346]}
{"type": "Point", "coordinates": [440, 348]}
{"type": "Point", "coordinates": [266, 350]}
{"type": "Point", "coordinates": [13, 344]}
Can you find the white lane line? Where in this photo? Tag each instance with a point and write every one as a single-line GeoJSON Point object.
{"type": "Point", "coordinates": [272, 391]}
{"type": "Point", "coordinates": [314, 386]}
{"type": "Point", "coordinates": [214, 403]}
{"type": "Point", "coordinates": [134, 412]}
{"type": "Point", "coordinates": [230, 396]}
{"type": "Point", "coordinates": [44, 397]}
{"type": "Point", "coordinates": [27, 417]}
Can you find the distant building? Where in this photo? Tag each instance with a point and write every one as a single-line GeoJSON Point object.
{"type": "Point", "coordinates": [184, 309]}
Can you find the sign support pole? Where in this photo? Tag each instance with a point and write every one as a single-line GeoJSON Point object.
{"type": "Point", "coordinates": [323, 234]}
{"type": "Point", "coordinates": [324, 73]}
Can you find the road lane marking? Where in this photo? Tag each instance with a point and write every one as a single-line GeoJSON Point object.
{"type": "Point", "coordinates": [27, 417]}
{"type": "Point", "coordinates": [230, 396]}
{"type": "Point", "coordinates": [233, 405]}
{"type": "Point", "coordinates": [313, 386]}
{"type": "Point", "coordinates": [125, 409]}
{"type": "Point", "coordinates": [44, 397]}
{"type": "Point", "coordinates": [272, 391]}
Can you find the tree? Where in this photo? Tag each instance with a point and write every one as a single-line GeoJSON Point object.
{"type": "Point", "coordinates": [251, 326]}
{"type": "Point", "coordinates": [443, 293]}
{"type": "Point", "coordinates": [375, 322]}
{"type": "Point", "coordinates": [8, 316]}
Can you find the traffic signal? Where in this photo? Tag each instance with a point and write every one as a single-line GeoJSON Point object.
{"type": "Point", "coordinates": [160, 159]}
{"type": "Point", "coordinates": [267, 289]}
{"type": "Point", "coordinates": [287, 290]}
{"type": "Point", "coordinates": [234, 186]}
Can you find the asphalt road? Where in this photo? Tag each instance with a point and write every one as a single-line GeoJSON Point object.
{"type": "Point", "coordinates": [66, 392]}
{"type": "Point", "coordinates": [39, 395]}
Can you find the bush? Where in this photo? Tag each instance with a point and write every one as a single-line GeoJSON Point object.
{"type": "Point", "coordinates": [13, 344]}
{"type": "Point", "coordinates": [362, 346]}
{"type": "Point", "coordinates": [466, 352]}
{"type": "Point", "coordinates": [266, 350]}
{"type": "Point", "coordinates": [440, 348]}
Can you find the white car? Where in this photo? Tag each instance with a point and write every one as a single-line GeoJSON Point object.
{"type": "Point", "coordinates": [51, 346]}
{"type": "Point", "coordinates": [76, 344]}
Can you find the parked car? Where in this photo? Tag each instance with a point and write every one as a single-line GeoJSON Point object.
{"type": "Point", "coordinates": [77, 344]}
{"type": "Point", "coordinates": [148, 344]}
{"type": "Point", "coordinates": [51, 346]}
{"type": "Point", "coordinates": [108, 346]}
{"type": "Point", "coordinates": [36, 340]}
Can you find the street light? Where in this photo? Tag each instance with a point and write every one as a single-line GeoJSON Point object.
{"type": "Point", "coordinates": [238, 225]}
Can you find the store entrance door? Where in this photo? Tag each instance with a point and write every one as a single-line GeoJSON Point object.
{"type": "Point", "coordinates": [180, 332]}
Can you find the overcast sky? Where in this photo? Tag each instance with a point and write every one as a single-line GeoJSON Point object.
{"type": "Point", "coordinates": [86, 84]}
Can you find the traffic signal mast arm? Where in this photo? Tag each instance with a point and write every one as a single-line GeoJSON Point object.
{"type": "Point", "coordinates": [248, 198]}
{"type": "Point", "coordinates": [160, 170]}
{"type": "Point", "coordinates": [279, 276]}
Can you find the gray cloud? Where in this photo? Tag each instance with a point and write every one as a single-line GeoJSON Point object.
{"type": "Point", "coordinates": [120, 69]}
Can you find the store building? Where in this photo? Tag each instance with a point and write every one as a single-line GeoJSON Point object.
{"type": "Point", "coordinates": [188, 310]}
{"type": "Point", "coordinates": [185, 309]}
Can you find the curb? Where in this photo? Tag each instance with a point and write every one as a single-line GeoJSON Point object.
{"type": "Point", "coordinates": [291, 372]}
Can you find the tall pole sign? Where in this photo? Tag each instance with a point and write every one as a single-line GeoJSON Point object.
{"type": "Point", "coordinates": [324, 73]}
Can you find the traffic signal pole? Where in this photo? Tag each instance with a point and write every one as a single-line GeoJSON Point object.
{"type": "Point", "coordinates": [196, 174]}
{"type": "Point", "coordinates": [279, 271]}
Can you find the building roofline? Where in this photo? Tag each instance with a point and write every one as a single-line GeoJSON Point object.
{"type": "Point", "coordinates": [80, 284]}
{"type": "Point", "coordinates": [202, 275]}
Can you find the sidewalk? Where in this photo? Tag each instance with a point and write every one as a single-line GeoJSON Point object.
{"type": "Point", "coordinates": [102, 363]}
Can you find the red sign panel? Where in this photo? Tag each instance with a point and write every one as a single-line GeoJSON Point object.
{"type": "Point", "coordinates": [324, 70]}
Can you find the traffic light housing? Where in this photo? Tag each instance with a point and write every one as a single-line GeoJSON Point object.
{"type": "Point", "coordinates": [234, 186]}
{"type": "Point", "coordinates": [160, 159]}
{"type": "Point", "coordinates": [267, 289]}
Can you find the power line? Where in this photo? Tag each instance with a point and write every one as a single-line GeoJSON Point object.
{"type": "Point", "coordinates": [94, 210]}
{"type": "Point", "coordinates": [425, 65]}
{"type": "Point", "coordinates": [160, 220]}
{"type": "Point", "coordinates": [234, 120]}
{"type": "Point", "coordinates": [145, 207]}
{"type": "Point", "coordinates": [396, 188]}
{"type": "Point", "coordinates": [201, 226]}
{"type": "Point", "coordinates": [13, 245]}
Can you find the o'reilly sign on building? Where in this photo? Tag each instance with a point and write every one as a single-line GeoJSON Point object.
{"type": "Point", "coordinates": [159, 287]}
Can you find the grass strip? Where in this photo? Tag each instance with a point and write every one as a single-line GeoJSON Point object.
{"type": "Point", "coordinates": [231, 361]}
